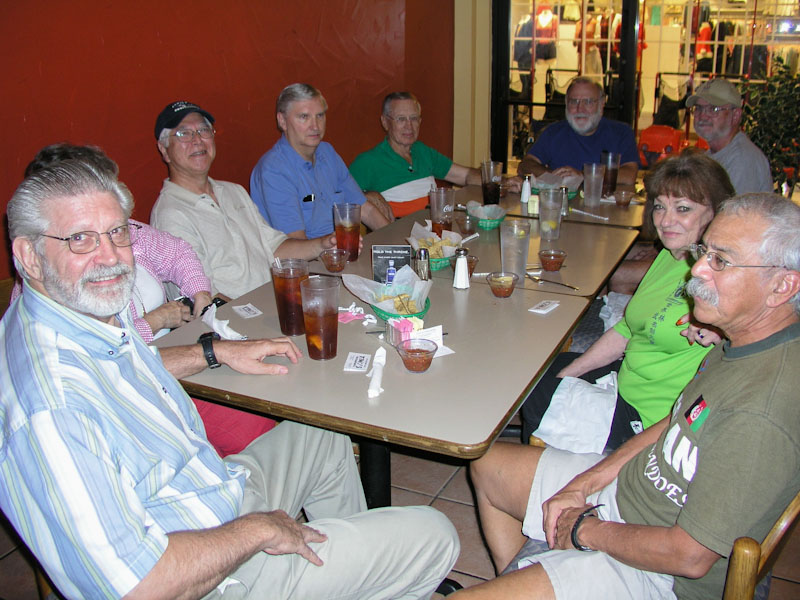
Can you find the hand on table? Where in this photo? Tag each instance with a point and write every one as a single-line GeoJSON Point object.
{"type": "Point", "coordinates": [330, 242]}
{"type": "Point", "coordinates": [247, 356]}
{"type": "Point", "coordinates": [705, 335]}
{"type": "Point", "coordinates": [566, 171]}
{"type": "Point", "coordinates": [514, 184]}
{"type": "Point", "coordinates": [290, 537]}
{"type": "Point", "coordinates": [168, 316]}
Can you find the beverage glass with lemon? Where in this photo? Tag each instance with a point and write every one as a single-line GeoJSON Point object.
{"type": "Point", "coordinates": [550, 214]}
{"type": "Point", "coordinates": [515, 236]}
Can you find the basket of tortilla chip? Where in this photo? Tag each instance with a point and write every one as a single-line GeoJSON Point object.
{"type": "Point", "coordinates": [489, 216]}
{"type": "Point", "coordinates": [406, 296]}
{"type": "Point", "coordinates": [440, 249]}
{"type": "Point", "coordinates": [381, 314]}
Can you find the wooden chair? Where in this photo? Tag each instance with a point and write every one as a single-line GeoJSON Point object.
{"type": "Point", "coordinates": [751, 561]}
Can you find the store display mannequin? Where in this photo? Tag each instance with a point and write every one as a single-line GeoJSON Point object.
{"type": "Point", "coordinates": [703, 48]}
{"type": "Point", "coordinates": [543, 40]}
{"type": "Point", "coordinates": [546, 33]}
{"type": "Point", "coordinates": [593, 64]}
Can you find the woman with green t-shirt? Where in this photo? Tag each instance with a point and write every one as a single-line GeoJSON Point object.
{"type": "Point", "coordinates": [646, 347]}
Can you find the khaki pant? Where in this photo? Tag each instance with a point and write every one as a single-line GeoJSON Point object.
{"type": "Point", "coordinates": [382, 553]}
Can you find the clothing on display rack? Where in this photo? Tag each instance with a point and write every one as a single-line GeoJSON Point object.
{"type": "Point", "coordinates": [539, 34]}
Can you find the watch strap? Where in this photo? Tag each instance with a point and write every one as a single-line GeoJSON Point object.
{"type": "Point", "coordinates": [589, 512]}
{"type": "Point", "coordinates": [207, 341]}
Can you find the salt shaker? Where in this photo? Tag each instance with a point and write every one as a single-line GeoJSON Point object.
{"type": "Point", "coordinates": [461, 277]}
{"type": "Point", "coordinates": [564, 201]}
{"type": "Point", "coordinates": [526, 190]}
{"type": "Point", "coordinates": [422, 264]}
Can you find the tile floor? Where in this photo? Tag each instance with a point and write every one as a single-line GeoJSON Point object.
{"type": "Point", "coordinates": [441, 483]}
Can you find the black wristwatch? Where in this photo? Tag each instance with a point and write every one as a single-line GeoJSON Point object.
{"type": "Point", "coordinates": [207, 340]}
{"type": "Point", "coordinates": [589, 512]}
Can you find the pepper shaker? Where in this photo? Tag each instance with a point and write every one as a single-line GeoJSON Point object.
{"type": "Point", "coordinates": [461, 277]}
{"type": "Point", "coordinates": [422, 264]}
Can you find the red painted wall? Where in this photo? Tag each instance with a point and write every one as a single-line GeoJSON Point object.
{"type": "Point", "coordinates": [99, 72]}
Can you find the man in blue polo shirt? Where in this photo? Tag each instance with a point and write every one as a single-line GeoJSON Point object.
{"type": "Point", "coordinates": [563, 147]}
{"type": "Point", "coordinates": [297, 182]}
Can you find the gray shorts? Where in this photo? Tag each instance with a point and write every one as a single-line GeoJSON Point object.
{"type": "Point", "coordinates": [579, 575]}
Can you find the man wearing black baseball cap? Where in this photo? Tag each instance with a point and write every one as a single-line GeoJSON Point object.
{"type": "Point", "coordinates": [218, 218]}
{"type": "Point", "coordinates": [717, 109]}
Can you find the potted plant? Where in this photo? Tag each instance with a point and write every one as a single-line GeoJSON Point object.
{"type": "Point", "coordinates": [772, 121]}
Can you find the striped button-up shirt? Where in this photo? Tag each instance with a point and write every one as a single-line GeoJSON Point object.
{"type": "Point", "coordinates": [102, 454]}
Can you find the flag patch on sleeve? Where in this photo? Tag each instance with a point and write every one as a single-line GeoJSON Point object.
{"type": "Point", "coordinates": [696, 414]}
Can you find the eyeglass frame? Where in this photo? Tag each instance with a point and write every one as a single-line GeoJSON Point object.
{"type": "Point", "coordinates": [402, 119]}
{"type": "Point", "coordinates": [586, 102]}
{"type": "Point", "coordinates": [131, 227]}
{"type": "Point", "coordinates": [710, 109]}
{"type": "Point", "coordinates": [180, 134]}
{"type": "Point", "coordinates": [699, 250]}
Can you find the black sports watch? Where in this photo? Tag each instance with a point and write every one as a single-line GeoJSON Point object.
{"type": "Point", "coordinates": [207, 341]}
{"type": "Point", "coordinates": [589, 512]}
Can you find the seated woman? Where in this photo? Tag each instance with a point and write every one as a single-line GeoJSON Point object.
{"type": "Point", "coordinates": [161, 257]}
{"type": "Point", "coordinates": [683, 194]}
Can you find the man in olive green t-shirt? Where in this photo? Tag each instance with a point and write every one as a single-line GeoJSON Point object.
{"type": "Point", "coordinates": [658, 517]}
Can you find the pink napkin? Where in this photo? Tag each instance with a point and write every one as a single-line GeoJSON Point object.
{"type": "Point", "coordinates": [346, 317]}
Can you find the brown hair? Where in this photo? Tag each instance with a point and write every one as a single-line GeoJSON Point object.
{"type": "Point", "coordinates": [693, 175]}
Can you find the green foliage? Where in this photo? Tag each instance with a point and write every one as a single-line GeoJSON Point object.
{"type": "Point", "coordinates": [772, 118]}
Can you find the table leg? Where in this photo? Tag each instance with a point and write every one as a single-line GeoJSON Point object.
{"type": "Point", "coordinates": [376, 474]}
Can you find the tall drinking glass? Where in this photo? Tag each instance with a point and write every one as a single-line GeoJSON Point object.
{"type": "Point", "coordinates": [491, 176]}
{"type": "Point", "coordinates": [347, 221]}
{"type": "Point", "coordinates": [550, 203]}
{"type": "Point", "coordinates": [610, 160]}
{"type": "Point", "coordinates": [287, 275]}
{"type": "Point", "coordinates": [515, 237]}
{"type": "Point", "coordinates": [321, 315]}
{"type": "Point", "coordinates": [443, 203]}
{"type": "Point", "coordinates": [592, 183]}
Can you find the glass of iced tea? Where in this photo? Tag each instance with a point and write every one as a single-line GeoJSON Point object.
{"type": "Point", "coordinates": [443, 202]}
{"type": "Point", "coordinates": [321, 315]}
{"type": "Point", "coordinates": [286, 277]}
{"type": "Point", "coordinates": [611, 161]}
{"type": "Point", "coordinates": [347, 221]}
{"type": "Point", "coordinates": [491, 176]}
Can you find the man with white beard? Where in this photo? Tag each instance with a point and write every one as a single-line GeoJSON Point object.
{"type": "Point", "coordinates": [563, 147]}
{"type": "Point", "coordinates": [107, 473]}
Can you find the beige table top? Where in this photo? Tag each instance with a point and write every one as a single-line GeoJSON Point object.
{"type": "Point", "coordinates": [628, 217]}
{"type": "Point", "coordinates": [457, 407]}
{"type": "Point", "coordinates": [592, 253]}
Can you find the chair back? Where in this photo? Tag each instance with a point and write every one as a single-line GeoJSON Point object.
{"type": "Point", "coordinates": [657, 142]}
{"type": "Point", "coordinates": [750, 561]}
{"type": "Point", "coordinates": [6, 285]}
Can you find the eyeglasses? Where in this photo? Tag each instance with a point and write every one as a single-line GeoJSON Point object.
{"type": "Point", "coordinates": [717, 263]}
{"type": "Point", "coordinates": [582, 102]}
{"type": "Point", "coordinates": [187, 135]}
{"type": "Point", "coordinates": [708, 109]}
{"type": "Point", "coordinates": [403, 119]}
{"type": "Point", "coordinates": [85, 242]}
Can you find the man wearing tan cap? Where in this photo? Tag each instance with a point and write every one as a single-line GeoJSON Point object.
{"type": "Point", "coordinates": [717, 109]}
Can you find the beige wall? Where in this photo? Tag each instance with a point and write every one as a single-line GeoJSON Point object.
{"type": "Point", "coordinates": [472, 70]}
